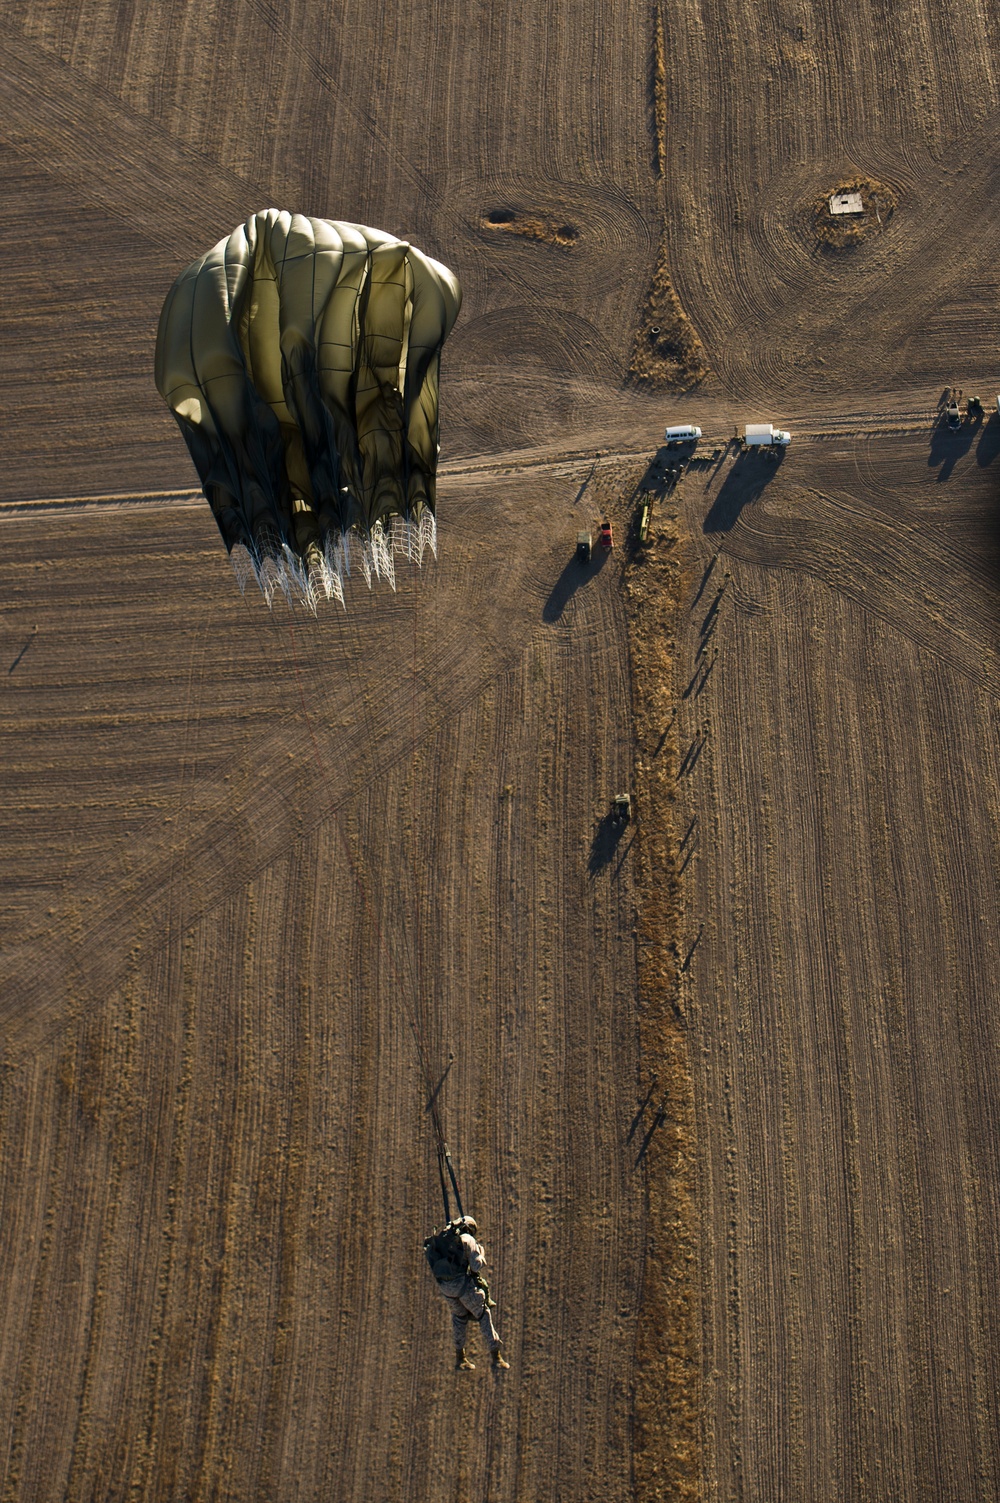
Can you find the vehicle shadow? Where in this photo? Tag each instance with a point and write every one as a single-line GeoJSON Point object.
{"type": "Point", "coordinates": [573, 577]}
{"type": "Point", "coordinates": [988, 446]}
{"type": "Point", "coordinates": [948, 445]}
{"type": "Point", "coordinates": [605, 843]}
{"type": "Point", "coordinates": [751, 472]}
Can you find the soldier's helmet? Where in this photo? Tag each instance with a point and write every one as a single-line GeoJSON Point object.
{"type": "Point", "coordinates": [468, 1224]}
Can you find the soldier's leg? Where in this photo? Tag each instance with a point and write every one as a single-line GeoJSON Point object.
{"type": "Point", "coordinates": [475, 1302]}
{"type": "Point", "coordinates": [489, 1330]}
{"type": "Point", "coordinates": [459, 1320]}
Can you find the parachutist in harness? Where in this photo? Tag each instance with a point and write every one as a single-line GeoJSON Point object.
{"type": "Point", "coordinates": [457, 1261]}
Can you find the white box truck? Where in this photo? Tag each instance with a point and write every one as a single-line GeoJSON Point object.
{"type": "Point", "coordinates": [764, 435]}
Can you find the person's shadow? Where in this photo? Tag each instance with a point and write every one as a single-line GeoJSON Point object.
{"type": "Point", "coordinates": [751, 472]}
{"type": "Point", "coordinates": [575, 574]}
{"type": "Point", "coordinates": [665, 469]}
{"type": "Point", "coordinates": [948, 445]}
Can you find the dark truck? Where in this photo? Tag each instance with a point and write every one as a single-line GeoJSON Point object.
{"type": "Point", "coordinates": [621, 808]}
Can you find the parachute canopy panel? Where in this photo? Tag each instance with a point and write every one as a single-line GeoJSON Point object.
{"type": "Point", "coordinates": [301, 360]}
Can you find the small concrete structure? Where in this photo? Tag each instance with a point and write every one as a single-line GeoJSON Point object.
{"type": "Point", "coordinates": [846, 203]}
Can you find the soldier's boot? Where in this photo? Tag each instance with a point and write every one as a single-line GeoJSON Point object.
{"type": "Point", "coordinates": [462, 1363]}
{"type": "Point", "coordinates": [498, 1361]}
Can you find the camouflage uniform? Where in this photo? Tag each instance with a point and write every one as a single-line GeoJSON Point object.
{"type": "Point", "coordinates": [467, 1301]}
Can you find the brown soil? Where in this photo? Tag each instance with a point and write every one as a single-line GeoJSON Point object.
{"type": "Point", "coordinates": [282, 849]}
{"type": "Point", "coordinates": [840, 232]}
{"type": "Point", "coordinates": [667, 353]}
{"type": "Point", "coordinates": [837, 1003]}
{"type": "Point", "coordinates": [660, 100]}
{"type": "Point", "coordinates": [246, 857]}
{"type": "Point", "coordinates": [667, 1459]}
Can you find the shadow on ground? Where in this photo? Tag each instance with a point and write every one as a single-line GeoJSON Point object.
{"type": "Point", "coordinates": [665, 468]}
{"type": "Point", "coordinates": [573, 577]}
{"type": "Point", "coordinates": [949, 445]}
{"type": "Point", "coordinates": [605, 843]}
{"type": "Point", "coordinates": [988, 446]}
{"type": "Point", "coordinates": [20, 655]}
{"type": "Point", "coordinates": [751, 472]}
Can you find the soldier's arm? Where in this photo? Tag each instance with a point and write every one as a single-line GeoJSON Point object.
{"type": "Point", "coordinates": [473, 1254]}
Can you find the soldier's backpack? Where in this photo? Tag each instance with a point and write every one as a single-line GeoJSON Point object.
{"type": "Point", "coordinates": [446, 1255]}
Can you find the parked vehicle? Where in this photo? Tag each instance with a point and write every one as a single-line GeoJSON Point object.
{"type": "Point", "coordinates": [583, 543]}
{"type": "Point", "coordinates": [953, 410]}
{"type": "Point", "coordinates": [683, 433]}
{"type": "Point", "coordinates": [764, 435]}
{"type": "Point", "coordinates": [605, 536]}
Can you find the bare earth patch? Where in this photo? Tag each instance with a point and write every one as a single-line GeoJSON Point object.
{"type": "Point", "coordinates": [532, 227]}
{"type": "Point", "coordinates": [841, 231]}
{"type": "Point", "coordinates": [667, 351]}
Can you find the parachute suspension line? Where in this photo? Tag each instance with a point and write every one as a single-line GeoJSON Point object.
{"type": "Point", "coordinates": [277, 569]}
{"type": "Point", "coordinates": [442, 1152]}
{"type": "Point", "coordinates": [444, 1158]}
{"type": "Point", "coordinates": [445, 1165]}
{"type": "Point", "coordinates": [454, 1182]}
{"type": "Point", "coordinates": [243, 567]}
{"type": "Point", "coordinates": [411, 962]}
{"type": "Point", "coordinates": [412, 538]}
{"type": "Point", "coordinates": [444, 1187]}
{"type": "Point", "coordinates": [407, 527]}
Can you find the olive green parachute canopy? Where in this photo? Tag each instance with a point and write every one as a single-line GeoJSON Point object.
{"type": "Point", "coordinates": [300, 358]}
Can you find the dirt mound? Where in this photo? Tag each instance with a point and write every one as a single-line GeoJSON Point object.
{"type": "Point", "coordinates": [837, 232]}
{"type": "Point", "coordinates": [667, 351]}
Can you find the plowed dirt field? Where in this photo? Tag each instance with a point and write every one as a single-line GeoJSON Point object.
{"type": "Point", "coordinates": [724, 1088]}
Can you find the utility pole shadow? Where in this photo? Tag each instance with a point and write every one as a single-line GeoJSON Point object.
{"type": "Point", "coordinates": [642, 1109]}
{"type": "Point", "coordinates": [657, 1122]}
{"type": "Point", "coordinates": [686, 963]}
{"type": "Point", "coordinates": [30, 639]}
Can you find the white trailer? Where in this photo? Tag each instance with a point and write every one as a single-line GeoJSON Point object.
{"type": "Point", "coordinates": [764, 435]}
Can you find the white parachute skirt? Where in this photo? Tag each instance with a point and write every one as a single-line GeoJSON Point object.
{"type": "Point", "coordinates": [243, 567]}
{"type": "Point", "coordinates": [277, 570]}
{"type": "Point", "coordinates": [411, 539]}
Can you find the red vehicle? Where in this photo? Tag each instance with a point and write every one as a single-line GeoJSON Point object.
{"type": "Point", "coordinates": [605, 537]}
